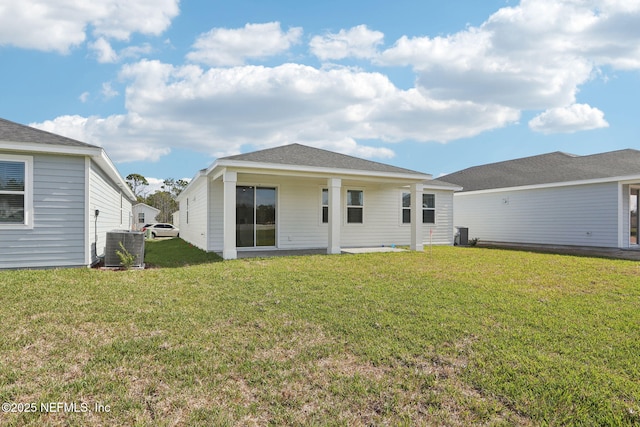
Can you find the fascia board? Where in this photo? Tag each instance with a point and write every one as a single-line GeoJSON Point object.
{"type": "Point", "coordinates": [49, 148]}
{"type": "Point", "coordinates": [628, 179]}
{"type": "Point", "coordinates": [192, 182]}
{"type": "Point", "coordinates": [318, 171]}
{"type": "Point", "coordinates": [96, 153]}
{"type": "Point", "coordinates": [107, 165]}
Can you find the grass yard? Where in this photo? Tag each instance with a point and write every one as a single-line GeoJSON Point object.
{"type": "Point", "coordinates": [461, 336]}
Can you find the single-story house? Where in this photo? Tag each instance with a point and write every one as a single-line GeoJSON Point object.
{"type": "Point", "coordinates": [143, 214]}
{"type": "Point", "coordinates": [58, 198]}
{"type": "Point", "coordinates": [299, 197]}
{"type": "Point", "coordinates": [552, 199]}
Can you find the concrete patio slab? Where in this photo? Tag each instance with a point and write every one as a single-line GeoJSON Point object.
{"type": "Point", "coordinates": [320, 251]}
{"type": "Point", "coordinates": [371, 250]}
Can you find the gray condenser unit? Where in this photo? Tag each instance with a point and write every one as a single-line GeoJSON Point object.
{"type": "Point", "coordinates": [133, 242]}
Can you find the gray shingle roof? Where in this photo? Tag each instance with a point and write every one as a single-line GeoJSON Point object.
{"type": "Point", "coordinates": [546, 169]}
{"type": "Point", "coordinates": [15, 132]}
{"type": "Point", "coordinates": [302, 155]}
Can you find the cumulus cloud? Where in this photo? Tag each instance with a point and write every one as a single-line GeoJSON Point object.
{"type": "Point", "coordinates": [108, 91]}
{"type": "Point", "coordinates": [531, 56]}
{"type": "Point", "coordinates": [103, 50]}
{"type": "Point", "coordinates": [571, 119]}
{"type": "Point", "coordinates": [220, 110]}
{"type": "Point", "coordinates": [59, 25]}
{"type": "Point", "coordinates": [229, 47]}
{"type": "Point", "coordinates": [358, 42]}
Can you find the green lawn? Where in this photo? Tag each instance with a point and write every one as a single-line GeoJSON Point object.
{"type": "Point", "coordinates": [459, 336]}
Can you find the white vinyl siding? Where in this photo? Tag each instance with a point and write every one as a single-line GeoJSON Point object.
{"type": "Point", "coordinates": [583, 215]}
{"type": "Point", "coordinates": [194, 222]}
{"type": "Point", "coordinates": [299, 214]}
{"type": "Point", "coordinates": [115, 210]}
{"type": "Point", "coordinates": [57, 238]}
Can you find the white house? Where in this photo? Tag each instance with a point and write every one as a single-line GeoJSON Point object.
{"type": "Point", "coordinates": [58, 198]}
{"type": "Point", "coordinates": [143, 214]}
{"type": "Point", "coordinates": [298, 197]}
{"type": "Point", "coordinates": [554, 199]}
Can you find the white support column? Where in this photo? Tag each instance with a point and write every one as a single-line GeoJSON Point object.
{"type": "Point", "coordinates": [334, 186]}
{"type": "Point", "coordinates": [229, 250]}
{"type": "Point", "coordinates": [416, 217]}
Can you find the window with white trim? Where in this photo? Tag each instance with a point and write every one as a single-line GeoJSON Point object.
{"type": "Point", "coordinates": [428, 208]}
{"type": "Point", "coordinates": [324, 203]}
{"type": "Point", "coordinates": [355, 206]}
{"type": "Point", "coordinates": [140, 217]}
{"type": "Point", "coordinates": [14, 191]}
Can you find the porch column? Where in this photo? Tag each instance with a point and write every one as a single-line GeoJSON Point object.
{"type": "Point", "coordinates": [229, 250]}
{"type": "Point", "coordinates": [334, 186]}
{"type": "Point", "coordinates": [416, 217]}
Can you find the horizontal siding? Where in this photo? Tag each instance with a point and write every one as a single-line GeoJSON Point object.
{"type": "Point", "coordinates": [216, 206]}
{"type": "Point", "coordinates": [193, 221]}
{"type": "Point", "coordinates": [57, 238]}
{"type": "Point", "coordinates": [299, 215]}
{"type": "Point", "coordinates": [584, 215]}
{"type": "Point", "coordinates": [115, 210]}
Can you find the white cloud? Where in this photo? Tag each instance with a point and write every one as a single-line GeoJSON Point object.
{"type": "Point", "coordinates": [571, 119]}
{"type": "Point", "coordinates": [84, 96]}
{"type": "Point", "coordinates": [124, 137]}
{"type": "Point", "coordinates": [108, 91]}
{"type": "Point", "coordinates": [532, 56]}
{"type": "Point", "coordinates": [218, 111]}
{"type": "Point", "coordinates": [229, 47]}
{"type": "Point", "coordinates": [358, 42]}
{"type": "Point", "coordinates": [103, 51]}
{"type": "Point", "coordinates": [59, 25]}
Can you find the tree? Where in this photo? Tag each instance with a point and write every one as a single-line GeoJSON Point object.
{"type": "Point", "coordinates": [137, 183]}
{"type": "Point", "coordinates": [164, 201]}
{"type": "Point", "coordinates": [174, 186]}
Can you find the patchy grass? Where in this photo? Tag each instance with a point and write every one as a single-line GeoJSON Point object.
{"type": "Point", "coordinates": [464, 336]}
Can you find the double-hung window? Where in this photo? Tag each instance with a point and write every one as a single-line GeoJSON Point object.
{"type": "Point", "coordinates": [15, 192]}
{"type": "Point", "coordinates": [355, 206]}
{"type": "Point", "coordinates": [325, 205]}
{"type": "Point", "coordinates": [428, 208]}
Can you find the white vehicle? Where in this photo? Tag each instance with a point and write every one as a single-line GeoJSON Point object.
{"type": "Point", "coordinates": [162, 230]}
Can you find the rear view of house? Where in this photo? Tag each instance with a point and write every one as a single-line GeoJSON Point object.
{"type": "Point", "coordinates": [299, 197]}
{"type": "Point", "coordinates": [58, 199]}
{"type": "Point", "coordinates": [553, 199]}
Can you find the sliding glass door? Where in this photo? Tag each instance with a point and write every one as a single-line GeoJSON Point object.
{"type": "Point", "coordinates": [255, 216]}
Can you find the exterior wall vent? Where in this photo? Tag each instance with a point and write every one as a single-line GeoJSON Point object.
{"type": "Point", "coordinates": [133, 242]}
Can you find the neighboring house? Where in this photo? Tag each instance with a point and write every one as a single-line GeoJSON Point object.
{"type": "Point", "coordinates": [298, 197]}
{"type": "Point", "coordinates": [143, 214]}
{"type": "Point", "coordinates": [58, 198]}
{"type": "Point", "coordinates": [554, 199]}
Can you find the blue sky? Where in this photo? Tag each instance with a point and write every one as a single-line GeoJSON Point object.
{"type": "Point", "coordinates": [168, 86]}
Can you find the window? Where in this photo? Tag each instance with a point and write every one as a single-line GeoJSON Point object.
{"type": "Point", "coordinates": [428, 208]}
{"type": "Point", "coordinates": [15, 195]}
{"type": "Point", "coordinates": [355, 206]}
{"type": "Point", "coordinates": [141, 217]}
{"type": "Point", "coordinates": [406, 208]}
{"type": "Point", "coordinates": [325, 206]}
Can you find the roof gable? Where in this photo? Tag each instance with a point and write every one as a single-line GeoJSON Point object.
{"type": "Point", "coordinates": [15, 132]}
{"type": "Point", "coordinates": [302, 155]}
{"type": "Point", "coordinates": [546, 169]}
